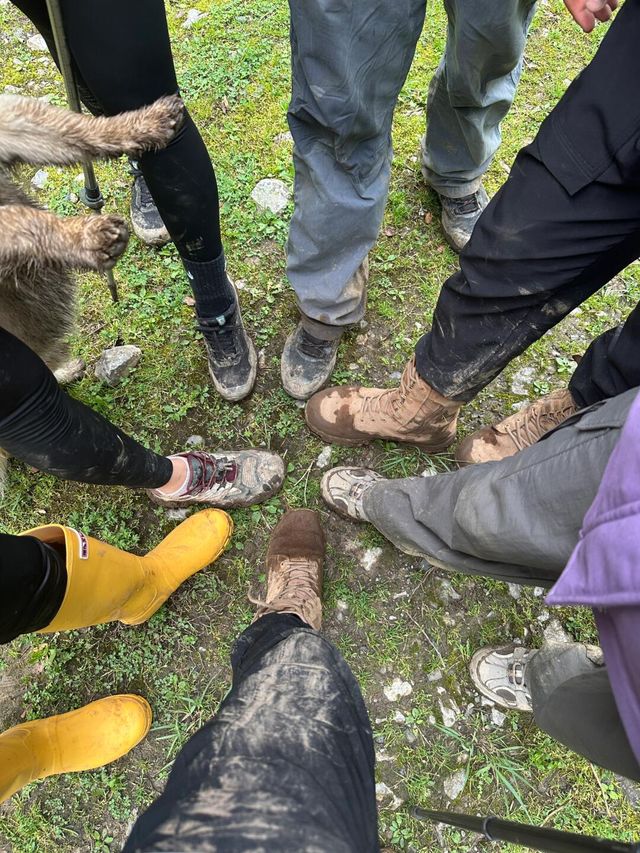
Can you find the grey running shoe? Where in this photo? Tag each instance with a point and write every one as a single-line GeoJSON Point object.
{"type": "Point", "coordinates": [459, 216]}
{"type": "Point", "coordinates": [226, 479]}
{"type": "Point", "coordinates": [145, 218]}
{"type": "Point", "coordinates": [501, 675]}
{"type": "Point", "coordinates": [233, 363]}
{"type": "Point", "coordinates": [343, 489]}
{"type": "Point", "coordinates": [307, 363]}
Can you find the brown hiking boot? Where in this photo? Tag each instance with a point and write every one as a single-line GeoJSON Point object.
{"type": "Point", "coordinates": [518, 431]}
{"type": "Point", "coordinates": [415, 413]}
{"type": "Point", "coordinates": [295, 559]}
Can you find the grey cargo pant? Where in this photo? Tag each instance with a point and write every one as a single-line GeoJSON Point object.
{"type": "Point", "coordinates": [517, 520]}
{"type": "Point", "coordinates": [350, 59]}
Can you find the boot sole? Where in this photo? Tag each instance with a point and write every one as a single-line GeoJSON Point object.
{"type": "Point", "coordinates": [360, 442]}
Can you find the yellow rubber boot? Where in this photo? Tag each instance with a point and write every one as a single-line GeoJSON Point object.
{"type": "Point", "coordinates": [90, 737]}
{"type": "Point", "coordinates": [105, 584]}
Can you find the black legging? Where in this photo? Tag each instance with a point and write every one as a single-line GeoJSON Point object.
{"type": "Point", "coordinates": [46, 428]}
{"type": "Point", "coordinates": [33, 581]}
{"type": "Point", "coordinates": [122, 54]}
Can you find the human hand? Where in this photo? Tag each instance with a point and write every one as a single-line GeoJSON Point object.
{"type": "Point", "coordinates": [586, 13]}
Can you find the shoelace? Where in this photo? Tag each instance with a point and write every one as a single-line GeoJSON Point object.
{"type": "Point", "coordinates": [214, 471]}
{"type": "Point", "coordinates": [294, 586]}
{"type": "Point", "coordinates": [527, 430]}
{"type": "Point", "coordinates": [464, 206]}
{"type": "Point", "coordinates": [313, 347]}
{"type": "Point", "coordinates": [223, 340]}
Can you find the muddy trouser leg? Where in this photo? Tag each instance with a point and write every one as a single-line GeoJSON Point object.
{"type": "Point", "coordinates": [566, 221]}
{"type": "Point", "coordinates": [472, 91]}
{"type": "Point", "coordinates": [33, 581]}
{"type": "Point", "coordinates": [563, 679]}
{"type": "Point", "coordinates": [287, 763]}
{"type": "Point", "coordinates": [349, 62]}
{"type": "Point", "coordinates": [43, 426]}
{"type": "Point", "coordinates": [517, 520]}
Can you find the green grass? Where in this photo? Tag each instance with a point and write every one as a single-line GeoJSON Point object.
{"type": "Point", "coordinates": [390, 622]}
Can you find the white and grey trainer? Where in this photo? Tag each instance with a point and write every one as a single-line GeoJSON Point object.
{"type": "Point", "coordinates": [343, 489]}
{"type": "Point", "coordinates": [501, 675]}
{"type": "Point", "coordinates": [226, 480]}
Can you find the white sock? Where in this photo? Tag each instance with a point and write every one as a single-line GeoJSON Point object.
{"type": "Point", "coordinates": [185, 482]}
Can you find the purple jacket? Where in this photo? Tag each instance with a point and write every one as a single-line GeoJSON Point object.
{"type": "Point", "coordinates": [604, 573]}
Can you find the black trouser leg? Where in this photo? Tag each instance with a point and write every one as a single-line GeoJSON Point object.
{"type": "Point", "coordinates": [33, 581]}
{"type": "Point", "coordinates": [565, 222]}
{"type": "Point", "coordinates": [43, 426]}
{"type": "Point", "coordinates": [287, 763]}
{"type": "Point", "coordinates": [574, 703]}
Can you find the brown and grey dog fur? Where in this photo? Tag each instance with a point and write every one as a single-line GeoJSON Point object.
{"type": "Point", "coordinates": [38, 249]}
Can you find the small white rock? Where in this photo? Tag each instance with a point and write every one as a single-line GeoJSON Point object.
{"type": "Point", "coordinates": [539, 591]}
{"type": "Point", "coordinates": [448, 708]}
{"type": "Point", "coordinates": [195, 441]}
{"type": "Point", "coordinates": [193, 15]}
{"type": "Point", "coordinates": [397, 690]}
{"type": "Point", "coordinates": [434, 676]}
{"type": "Point", "coordinates": [555, 633]}
{"type": "Point", "coordinates": [37, 43]}
{"type": "Point", "coordinates": [324, 457]}
{"type": "Point", "coordinates": [454, 785]}
{"type": "Point", "coordinates": [370, 558]}
{"type": "Point", "coordinates": [497, 717]}
{"type": "Point", "coordinates": [283, 138]}
{"type": "Point", "coordinates": [399, 717]}
{"type": "Point", "coordinates": [522, 380]}
{"type": "Point", "coordinates": [39, 180]}
{"type": "Point", "coordinates": [515, 590]}
{"type": "Point", "coordinates": [116, 363]}
{"type": "Point", "coordinates": [177, 514]}
{"type": "Point", "coordinates": [271, 195]}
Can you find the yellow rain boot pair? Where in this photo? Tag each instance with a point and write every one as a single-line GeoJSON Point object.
{"type": "Point", "coordinates": [105, 584]}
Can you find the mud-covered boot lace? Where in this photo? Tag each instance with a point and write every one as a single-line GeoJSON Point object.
{"type": "Point", "coordinates": [294, 587]}
{"type": "Point", "coordinates": [210, 472]}
{"type": "Point", "coordinates": [528, 429]}
{"type": "Point", "coordinates": [225, 340]}
{"type": "Point", "coordinates": [314, 347]}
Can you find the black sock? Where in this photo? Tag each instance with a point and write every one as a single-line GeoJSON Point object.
{"type": "Point", "coordinates": [212, 290]}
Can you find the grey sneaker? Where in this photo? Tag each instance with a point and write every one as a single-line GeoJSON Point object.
{"type": "Point", "coordinates": [307, 363]}
{"type": "Point", "coordinates": [459, 216]}
{"type": "Point", "coordinates": [501, 675]}
{"type": "Point", "coordinates": [226, 479]}
{"type": "Point", "coordinates": [145, 218]}
{"type": "Point", "coordinates": [233, 363]}
{"type": "Point", "coordinates": [343, 489]}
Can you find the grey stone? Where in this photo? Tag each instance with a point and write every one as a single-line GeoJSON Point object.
{"type": "Point", "coordinates": [521, 381]}
{"type": "Point", "coordinates": [271, 195]}
{"type": "Point", "coordinates": [454, 785]}
{"type": "Point", "coordinates": [195, 441]}
{"type": "Point", "coordinates": [436, 675]}
{"type": "Point", "coordinates": [37, 43]}
{"type": "Point", "coordinates": [192, 16]}
{"type": "Point", "coordinates": [324, 457]}
{"type": "Point", "coordinates": [515, 590]}
{"type": "Point", "coordinates": [448, 708]}
{"type": "Point", "coordinates": [397, 690]}
{"type": "Point", "coordinates": [177, 514]}
{"type": "Point", "coordinates": [370, 558]}
{"type": "Point", "coordinates": [116, 363]}
{"type": "Point", "coordinates": [447, 593]}
{"type": "Point", "coordinates": [555, 633]}
{"type": "Point", "coordinates": [39, 180]}
{"type": "Point", "coordinates": [283, 138]}
{"type": "Point", "coordinates": [497, 717]}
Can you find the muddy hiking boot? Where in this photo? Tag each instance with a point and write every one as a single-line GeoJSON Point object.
{"type": "Point", "coordinates": [518, 431]}
{"type": "Point", "coordinates": [343, 489]}
{"type": "Point", "coordinates": [415, 414]}
{"type": "Point", "coordinates": [225, 480]}
{"type": "Point", "coordinates": [459, 217]}
{"type": "Point", "coordinates": [233, 363]}
{"type": "Point", "coordinates": [307, 363]}
{"type": "Point", "coordinates": [295, 560]}
{"type": "Point", "coordinates": [145, 218]}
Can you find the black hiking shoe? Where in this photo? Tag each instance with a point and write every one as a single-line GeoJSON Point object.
{"type": "Point", "coordinates": [233, 362]}
{"type": "Point", "coordinates": [459, 216]}
{"type": "Point", "coordinates": [307, 363]}
{"type": "Point", "coordinates": [145, 218]}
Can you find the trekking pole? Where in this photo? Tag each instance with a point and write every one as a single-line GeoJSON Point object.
{"type": "Point", "coordinates": [533, 837]}
{"type": "Point", "coordinates": [91, 196]}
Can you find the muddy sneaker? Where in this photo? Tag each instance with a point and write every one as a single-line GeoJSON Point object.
{"type": "Point", "coordinates": [501, 675]}
{"type": "Point", "coordinates": [225, 479]}
{"type": "Point", "coordinates": [145, 218]}
{"type": "Point", "coordinates": [518, 431]}
{"type": "Point", "coordinates": [307, 363]}
{"type": "Point", "coordinates": [295, 559]}
{"type": "Point", "coordinates": [415, 413]}
{"type": "Point", "coordinates": [459, 216]}
{"type": "Point", "coordinates": [343, 489]}
{"type": "Point", "coordinates": [233, 363]}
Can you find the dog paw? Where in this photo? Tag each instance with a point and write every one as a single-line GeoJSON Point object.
{"type": "Point", "coordinates": [103, 240]}
{"type": "Point", "coordinates": [156, 125]}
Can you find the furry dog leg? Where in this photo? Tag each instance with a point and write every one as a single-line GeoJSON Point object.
{"type": "Point", "coordinates": [35, 132]}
